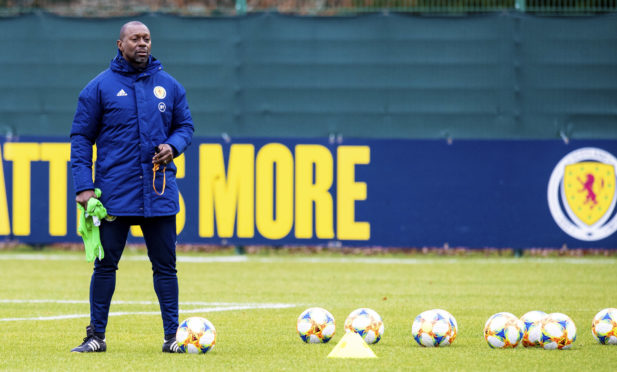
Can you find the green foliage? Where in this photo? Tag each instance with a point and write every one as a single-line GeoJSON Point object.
{"type": "Point", "coordinates": [472, 289]}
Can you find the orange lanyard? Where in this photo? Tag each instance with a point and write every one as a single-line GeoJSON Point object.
{"type": "Point", "coordinates": [154, 169]}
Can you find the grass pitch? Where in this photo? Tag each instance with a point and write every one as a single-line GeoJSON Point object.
{"type": "Point", "coordinates": [254, 301]}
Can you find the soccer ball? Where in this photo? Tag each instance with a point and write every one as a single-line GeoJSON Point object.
{"type": "Point", "coordinates": [503, 330]}
{"type": "Point", "coordinates": [367, 323]}
{"type": "Point", "coordinates": [604, 326]}
{"type": "Point", "coordinates": [315, 325]}
{"type": "Point", "coordinates": [558, 332]}
{"type": "Point", "coordinates": [532, 331]}
{"type": "Point", "coordinates": [196, 335]}
{"type": "Point", "coordinates": [434, 328]}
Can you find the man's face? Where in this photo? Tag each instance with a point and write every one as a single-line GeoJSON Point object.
{"type": "Point", "coordinates": [135, 45]}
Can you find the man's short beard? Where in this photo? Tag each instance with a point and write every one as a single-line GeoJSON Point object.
{"type": "Point", "coordinates": [140, 60]}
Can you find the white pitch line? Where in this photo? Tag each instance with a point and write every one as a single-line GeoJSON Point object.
{"type": "Point", "coordinates": [120, 302]}
{"type": "Point", "coordinates": [190, 311]}
{"type": "Point", "coordinates": [74, 257]}
{"type": "Point", "coordinates": [40, 257]}
{"type": "Point", "coordinates": [321, 260]}
{"type": "Point", "coordinates": [431, 261]}
{"type": "Point", "coordinates": [43, 301]}
{"type": "Point", "coordinates": [57, 317]}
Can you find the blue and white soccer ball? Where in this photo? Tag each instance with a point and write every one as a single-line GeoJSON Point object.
{"type": "Point", "coordinates": [604, 326]}
{"type": "Point", "coordinates": [434, 328]}
{"type": "Point", "coordinates": [503, 330]}
{"type": "Point", "coordinates": [196, 335]}
{"type": "Point", "coordinates": [532, 331]}
{"type": "Point", "coordinates": [367, 323]}
{"type": "Point", "coordinates": [558, 332]}
{"type": "Point", "coordinates": [315, 325]}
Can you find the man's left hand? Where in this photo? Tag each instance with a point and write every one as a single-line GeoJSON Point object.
{"type": "Point", "coordinates": [164, 155]}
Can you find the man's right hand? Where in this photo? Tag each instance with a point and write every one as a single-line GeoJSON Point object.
{"type": "Point", "coordinates": [83, 197]}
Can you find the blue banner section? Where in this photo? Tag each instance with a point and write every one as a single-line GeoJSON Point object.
{"type": "Point", "coordinates": [350, 192]}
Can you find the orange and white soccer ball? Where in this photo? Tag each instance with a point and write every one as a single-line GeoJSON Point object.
{"type": "Point", "coordinates": [315, 325]}
{"type": "Point", "coordinates": [604, 326]}
{"type": "Point", "coordinates": [503, 330]}
{"type": "Point", "coordinates": [558, 332]}
{"type": "Point", "coordinates": [367, 323]}
{"type": "Point", "coordinates": [532, 331]}
{"type": "Point", "coordinates": [434, 328]}
{"type": "Point", "coordinates": [196, 335]}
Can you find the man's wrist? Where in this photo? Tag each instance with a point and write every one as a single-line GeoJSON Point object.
{"type": "Point", "coordinates": [173, 149]}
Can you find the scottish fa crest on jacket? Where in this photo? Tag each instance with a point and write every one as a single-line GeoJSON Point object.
{"type": "Point", "coordinates": [582, 196]}
{"type": "Point", "coordinates": [159, 92]}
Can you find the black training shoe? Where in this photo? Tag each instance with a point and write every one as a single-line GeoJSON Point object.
{"type": "Point", "coordinates": [171, 346]}
{"type": "Point", "coordinates": [91, 343]}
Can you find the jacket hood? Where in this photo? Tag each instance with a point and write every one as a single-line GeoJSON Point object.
{"type": "Point", "coordinates": [121, 65]}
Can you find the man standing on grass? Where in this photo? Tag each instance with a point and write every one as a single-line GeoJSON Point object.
{"type": "Point", "coordinates": [138, 117]}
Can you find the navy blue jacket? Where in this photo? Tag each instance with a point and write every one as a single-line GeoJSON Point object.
{"type": "Point", "coordinates": [127, 113]}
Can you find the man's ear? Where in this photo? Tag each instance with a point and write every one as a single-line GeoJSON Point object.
{"type": "Point", "coordinates": [119, 44]}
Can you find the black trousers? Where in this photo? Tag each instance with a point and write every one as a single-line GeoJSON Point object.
{"type": "Point", "coordinates": [160, 237]}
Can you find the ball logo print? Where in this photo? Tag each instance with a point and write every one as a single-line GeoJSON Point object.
{"type": "Point", "coordinates": [581, 194]}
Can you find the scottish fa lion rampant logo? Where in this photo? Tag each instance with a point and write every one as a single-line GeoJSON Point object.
{"type": "Point", "coordinates": [581, 194]}
{"type": "Point", "coordinates": [159, 92]}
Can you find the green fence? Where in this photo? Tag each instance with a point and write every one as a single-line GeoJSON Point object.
{"type": "Point", "coordinates": [503, 75]}
{"type": "Point", "coordinates": [420, 6]}
{"type": "Point", "coordinates": [110, 8]}
{"type": "Point", "coordinates": [568, 6]}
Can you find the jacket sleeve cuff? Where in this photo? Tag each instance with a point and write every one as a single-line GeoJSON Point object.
{"type": "Point", "coordinates": [83, 188]}
{"type": "Point", "coordinates": [83, 181]}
